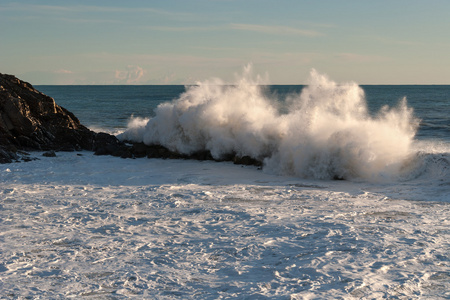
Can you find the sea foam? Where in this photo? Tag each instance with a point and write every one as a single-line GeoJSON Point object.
{"type": "Point", "coordinates": [326, 131]}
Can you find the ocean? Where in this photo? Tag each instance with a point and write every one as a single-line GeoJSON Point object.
{"type": "Point", "coordinates": [109, 108]}
{"type": "Point", "coordinates": [85, 226]}
{"type": "Point", "coordinates": [320, 131]}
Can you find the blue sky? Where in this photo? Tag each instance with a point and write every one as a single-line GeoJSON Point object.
{"type": "Point", "coordinates": [181, 42]}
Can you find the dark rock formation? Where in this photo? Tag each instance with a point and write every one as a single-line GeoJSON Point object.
{"type": "Point", "coordinates": [30, 120]}
{"type": "Point", "coordinates": [137, 150]}
{"type": "Point", "coordinates": [246, 160]}
{"type": "Point", "coordinates": [50, 153]}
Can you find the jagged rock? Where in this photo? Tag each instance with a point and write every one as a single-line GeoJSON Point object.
{"type": "Point", "coordinates": [106, 144]}
{"type": "Point", "coordinates": [30, 120]}
{"type": "Point", "coordinates": [7, 156]}
{"type": "Point", "coordinates": [246, 160]}
{"type": "Point", "coordinates": [138, 150]}
{"type": "Point", "coordinates": [202, 155]}
{"type": "Point", "coordinates": [50, 153]}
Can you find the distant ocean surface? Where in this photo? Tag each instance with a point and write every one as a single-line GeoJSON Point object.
{"type": "Point", "coordinates": [109, 108]}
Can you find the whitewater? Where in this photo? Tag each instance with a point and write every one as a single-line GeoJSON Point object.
{"type": "Point", "coordinates": [326, 131]}
{"type": "Point", "coordinates": [101, 227]}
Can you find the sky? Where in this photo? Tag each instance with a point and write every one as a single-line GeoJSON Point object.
{"type": "Point", "coordinates": [183, 42]}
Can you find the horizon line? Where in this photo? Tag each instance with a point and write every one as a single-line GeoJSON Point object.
{"type": "Point", "coordinates": [271, 84]}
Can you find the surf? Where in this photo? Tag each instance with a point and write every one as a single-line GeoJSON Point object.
{"type": "Point", "coordinates": [323, 132]}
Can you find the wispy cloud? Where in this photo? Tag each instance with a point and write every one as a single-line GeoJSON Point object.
{"type": "Point", "coordinates": [56, 9]}
{"type": "Point", "coordinates": [183, 28]}
{"type": "Point", "coordinates": [393, 41]}
{"type": "Point", "coordinates": [280, 30]}
{"type": "Point", "coordinates": [132, 75]}
{"type": "Point", "coordinates": [63, 71]}
{"type": "Point", "coordinates": [284, 30]}
{"type": "Point", "coordinates": [360, 58]}
{"type": "Point", "coordinates": [85, 14]}
{"type": "Point", "coordinates": [388, 40]}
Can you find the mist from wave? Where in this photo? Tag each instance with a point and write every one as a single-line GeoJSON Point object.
{"type": "Point", "coordinates": [325, 131]}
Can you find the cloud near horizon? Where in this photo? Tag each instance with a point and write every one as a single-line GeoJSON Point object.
{"type": "Point", "coordinates": [63, 71]}
{"type": "Point", "coordinates": [132, 75]}
{"type": "Point", "coordinates": [284, 30]}
{"type": "Point", "coordinates": [361, 58]}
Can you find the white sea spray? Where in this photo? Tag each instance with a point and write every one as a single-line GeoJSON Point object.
{"type": "Point", "coordinates": [325, 131]}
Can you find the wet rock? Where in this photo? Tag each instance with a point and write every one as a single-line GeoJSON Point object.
{"type": "Point", "coordinates": [202, 155]}
{"type": "Point", "coordinates": [31, 120]}
{"type": "Point", "coordinates": [246, 160]}
{"type": "Point", "coordinates": [28, 158]}
{"type": "Point", "coordinates": [6, 156]}
{"type": "Point", "coordinates": [106, 144]}
{"type": "Point", "coordinates": [50, 153]}
{"type": "Point", "coordinates": [140, 150]}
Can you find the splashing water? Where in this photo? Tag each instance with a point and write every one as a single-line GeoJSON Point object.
{"type": "Point", "coordinates": [326, 132]}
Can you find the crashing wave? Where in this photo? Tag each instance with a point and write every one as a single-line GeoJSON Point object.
{"type": "Point", "coordinates": [326, 131]}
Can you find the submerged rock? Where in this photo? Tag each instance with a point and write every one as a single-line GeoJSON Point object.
{"type": "Point", "coordinates": [7, 156]}
{"type": "Point", "coordinates": [246, 160]}
{"type": "Point", "coordinates": [50, 153]}
{"type": "Point", "coordinates": [137, 150]}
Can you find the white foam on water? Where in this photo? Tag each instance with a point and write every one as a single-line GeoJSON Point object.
{"type": "Point", "coordinates": [104, 227]}
{"type": "Point", "coordinates": [112, 131]}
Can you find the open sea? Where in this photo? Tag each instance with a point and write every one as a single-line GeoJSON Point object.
{"type": "Point", "coordinates": [100, 227]}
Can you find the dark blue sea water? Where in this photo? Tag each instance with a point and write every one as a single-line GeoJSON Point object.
{"type": "Point", "coordinates": [110, 107]}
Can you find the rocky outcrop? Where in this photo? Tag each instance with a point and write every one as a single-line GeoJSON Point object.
{"type": "Point", "coordinates": [30, 120]}
{"type": "Point", "coordinates": [137, 150]}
